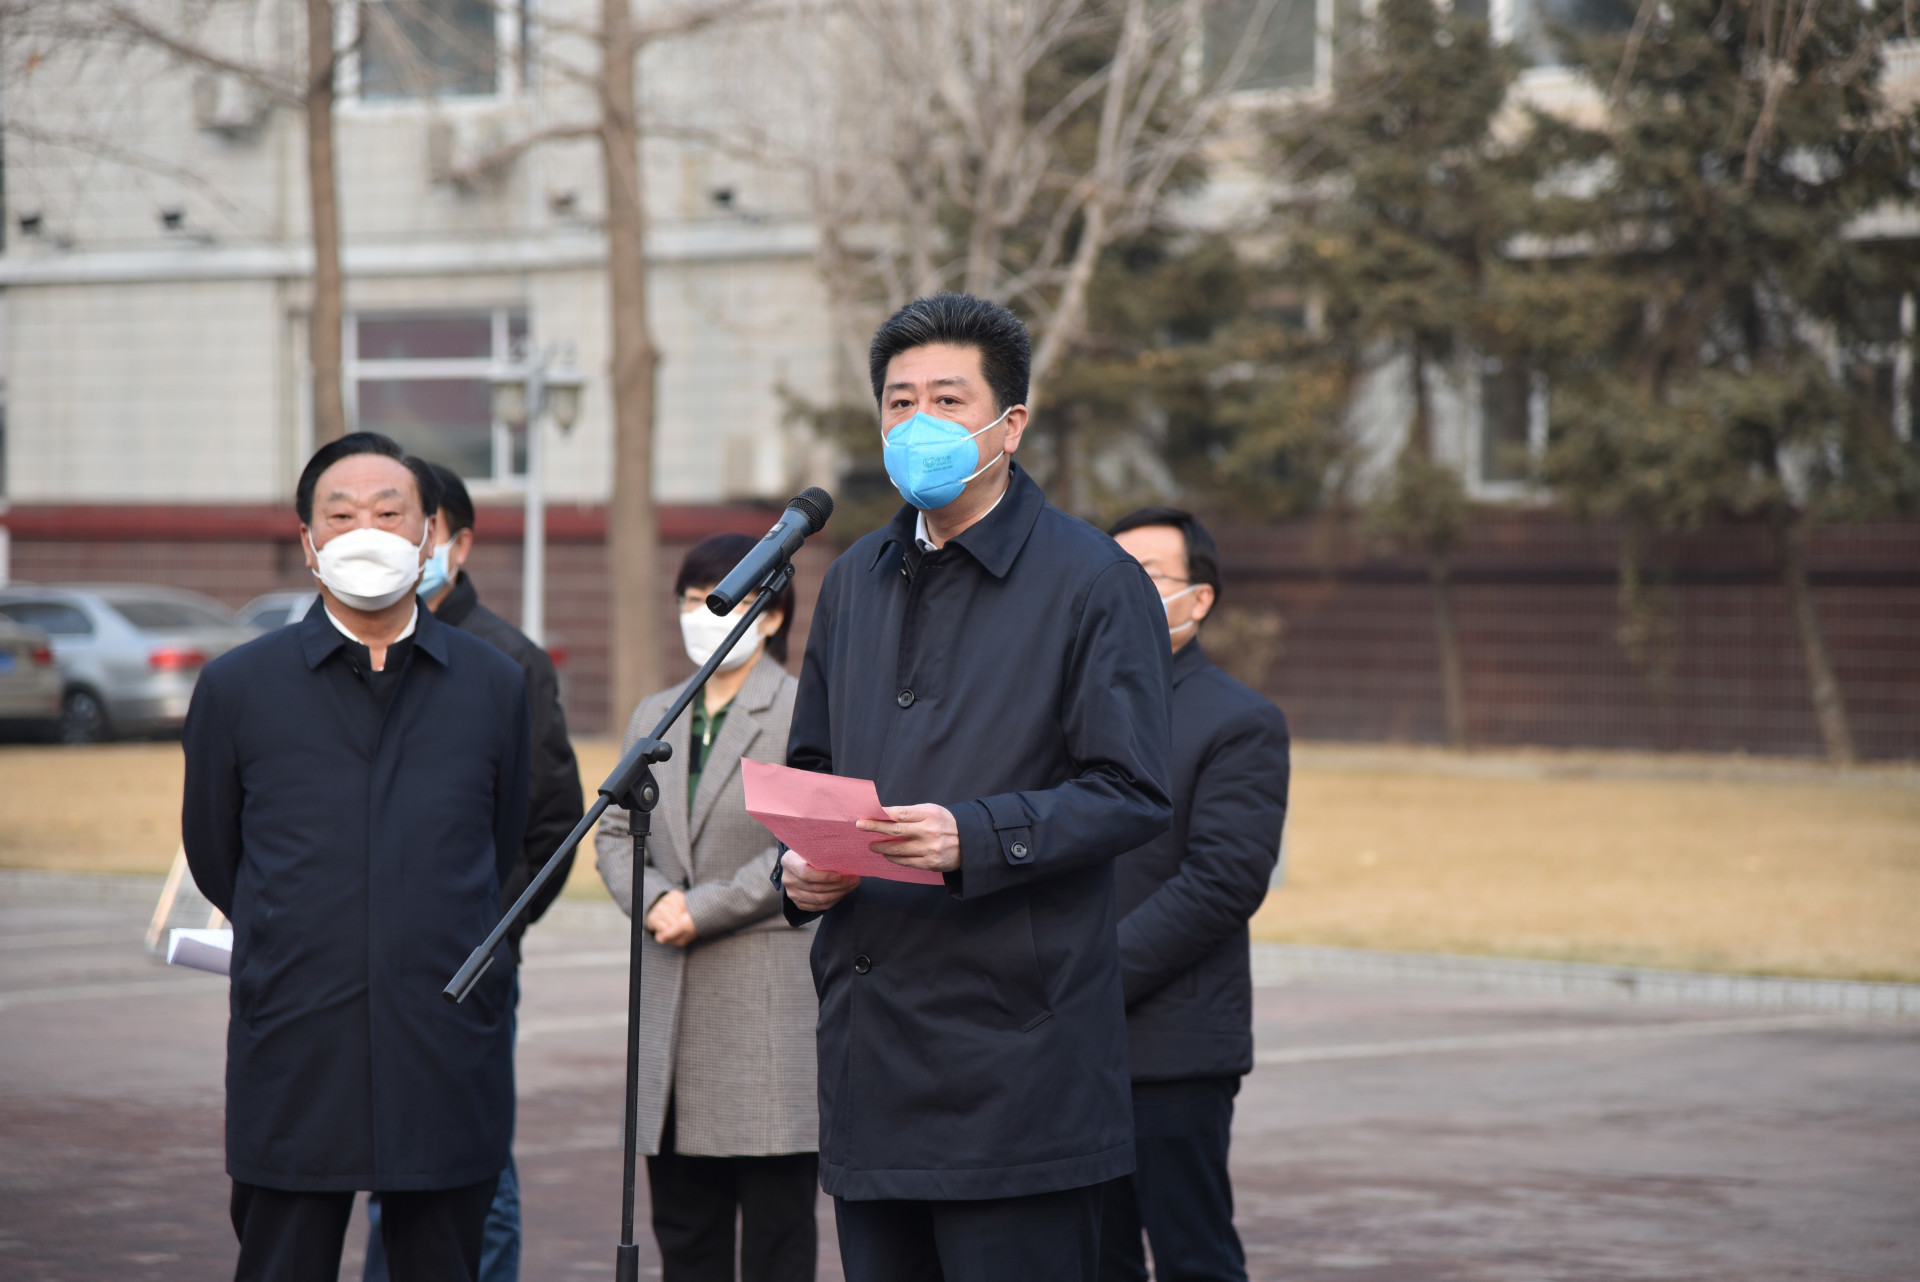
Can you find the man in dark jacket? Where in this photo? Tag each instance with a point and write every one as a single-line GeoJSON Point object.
{"type": "Point", "coordinates": [1184, 900]}
{"type": "Point", "coordinates": [554, 806]}
{"type": "Point", "coordinates": [356, 792]}
{"type": "Point", "coordinates": [1000, 671]}
{"type": "Point", "coordinates": [554, 802]}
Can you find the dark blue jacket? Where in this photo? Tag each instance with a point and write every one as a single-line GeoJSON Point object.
{"type": "Point", "coordinates": [1184, 897]}
{"type": "Point", "coordinates": [360, 860]}
{"type": "Point", "coordinates": [972, 1038]}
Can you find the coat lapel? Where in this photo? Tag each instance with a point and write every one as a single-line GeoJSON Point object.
{"type": "Point", "coordinates": [742, 726]}
{"type": "Point", "coordinates": [671, 813]}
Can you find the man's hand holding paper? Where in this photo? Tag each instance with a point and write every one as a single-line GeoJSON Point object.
{"type": "Point", "coordinates": [825, 821]}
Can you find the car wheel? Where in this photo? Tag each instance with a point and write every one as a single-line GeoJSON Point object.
{"type": "Point", "coordinates": [83, 718]}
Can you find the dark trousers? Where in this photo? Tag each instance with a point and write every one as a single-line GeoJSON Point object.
{"type": "Point", "coordinates": [1047, 1237]}
{"type": "Point", "coordinates": [431, 1236]}
{"type": "Point", "coordinates": [1179, 1192]}
{"type": "Point", "coordinates": [695, 1201]}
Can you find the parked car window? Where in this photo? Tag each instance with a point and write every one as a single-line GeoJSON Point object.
{"type": "Point", "coordinates": [54, 618]}
{"type": "Point", "coordinates": [270, 617]}
{"type": "Point", "coordinates": [151, 614]}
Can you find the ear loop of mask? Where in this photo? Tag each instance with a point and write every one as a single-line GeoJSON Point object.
{"type": "Point", "coordinates": [970, 435]}
{"type": "Point", "coordinates": [1165, 601]}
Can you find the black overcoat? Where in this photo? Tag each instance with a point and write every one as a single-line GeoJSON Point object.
{"type": "Point", "coordinates": [554, 804]}
{"type": "Point", "coordinates": [1184, 897]}
{"type": "Point", "coordinates": [360, 861]}
{"type": "Point", "coordinates": [972, 1037]}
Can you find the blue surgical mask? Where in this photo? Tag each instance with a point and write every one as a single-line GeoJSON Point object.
{"type": "Point", "coordinates": [928, 459]}
{"type": "Point", "coordinates": [436, 574]}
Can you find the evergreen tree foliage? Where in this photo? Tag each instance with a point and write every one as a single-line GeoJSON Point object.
{"type": "Point", "coordinates": [1410, 202]}
{"type": "Point", "coordinates": [1192, 368]}
{"type": "Point", "coordinates": [1707, 271]}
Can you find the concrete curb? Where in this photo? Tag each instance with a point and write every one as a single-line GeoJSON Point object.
{"type": "Point", "coordinates": [1275, 964]}
{"type": "Point", "coordinates": [21, 885]}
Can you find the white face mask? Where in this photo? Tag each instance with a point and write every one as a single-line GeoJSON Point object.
{"type": "Point", "coordinates": [1166, 603]}
{"type": "Point", "coordinates": [703, 632]}
{"type": "Point", "coordinates": [369, 569]}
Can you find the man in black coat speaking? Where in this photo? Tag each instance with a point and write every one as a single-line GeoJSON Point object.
{"type": "Point", "coordinates": [1184, 900]}
{"type": "Point", "coordinates": [356, 790]}
{"type": "Point", "coordinates": [1000, 670]}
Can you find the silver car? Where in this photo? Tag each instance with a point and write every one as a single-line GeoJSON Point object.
{"type": "Point", "coordinates": [277, 609]}
{"type": "Point", "coordinates": [128, 655]}
{"type": "Point", "coordinates": [30, 685]}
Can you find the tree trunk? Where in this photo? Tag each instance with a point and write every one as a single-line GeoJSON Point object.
{"type": "Point", "coordinates": [633, 541]}
{"type": "Point", "coordinates": [1453, 668]}
{"type": "Point", "coordinates": [323, 326]}
{"type": "Point", "coordinates": [1829, 708]}
{"type": "Point", "coordinates": [1446, 631]}
{"type": "Point", "coordinates": [1065, 481]}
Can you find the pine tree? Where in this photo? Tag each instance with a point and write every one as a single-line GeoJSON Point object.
{"type": "Point", "coordinates": [1411, 202]}
{"type": "Point", "coordinates": [1710, 275]}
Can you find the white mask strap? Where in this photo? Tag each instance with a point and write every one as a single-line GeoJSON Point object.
{"type": "Point", "coordinates": [970, 435]}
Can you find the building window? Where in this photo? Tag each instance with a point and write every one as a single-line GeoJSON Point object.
{"type": "Point", "coordinates": [1881, 367]}
{"type": "Point", "coordinates": [1537, 28]}
{"type": "Point", "coordinates": [1513, 421]}
{"type": "Point", "coordinates": [422, 378]}
{"type": "Point", "coordinates": [431, 48]}
{"type": "Point", "coordinates": [1286, 50]}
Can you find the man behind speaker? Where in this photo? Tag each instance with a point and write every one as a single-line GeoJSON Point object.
{"type": "Point", "coordinates": [1000, 670]}
{"type": "Point", "coordinates": [1184, 899]}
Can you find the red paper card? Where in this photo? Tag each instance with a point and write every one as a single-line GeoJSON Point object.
{"type": "Point", "coordinates": [814, 814]}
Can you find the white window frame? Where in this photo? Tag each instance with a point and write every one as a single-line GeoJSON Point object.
{"type": "Point", "coordinates": [504, 479]}
{"type": "Point", "coordinates": [1259, 99]}
{"type": "Point", "coordinates": [1479, 486]}
{"type": "Point", "coordinates": [508, 20]}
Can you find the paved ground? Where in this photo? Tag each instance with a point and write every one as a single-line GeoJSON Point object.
{"type": "Point", "coordinates": [1424, 1135]}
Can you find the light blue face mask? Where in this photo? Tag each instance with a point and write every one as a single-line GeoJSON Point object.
{"type": "Point", "coordinates": [436, 574]}
{"type": "Point", "coordinates": [929, 459]}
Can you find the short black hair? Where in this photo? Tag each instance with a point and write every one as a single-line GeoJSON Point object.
{"type": "Point", "coordinates": [1006, 350]}
{"type": "Point", "coordinates": [707, 562]}
{"type": "Point", "coordinates": [363, 443]}
{"type": "Point", "coordinates": [1203, 557]}
{"type": "Point", "coordinates": [454, 499]}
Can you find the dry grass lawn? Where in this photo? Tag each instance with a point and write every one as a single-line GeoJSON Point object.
{"type": "Point", "coordinates": [1695, 863]}
{"type": "Point", "coordinates": [1703, 863]}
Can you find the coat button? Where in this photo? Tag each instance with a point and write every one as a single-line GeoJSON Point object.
{"type": "Point", "coordinates": [904, 698]}
{"type": "Point", "coordinates": [862, 964]}
{"type": "Point", "coordinates": [1019, 850]}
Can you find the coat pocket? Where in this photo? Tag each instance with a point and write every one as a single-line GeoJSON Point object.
{"type": "Point", "coordinates": [1009, 980]}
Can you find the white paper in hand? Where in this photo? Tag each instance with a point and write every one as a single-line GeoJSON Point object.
{"type": "Point", "coordinates": [201, 949]}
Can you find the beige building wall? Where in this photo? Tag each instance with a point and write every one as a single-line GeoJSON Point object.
{"type": "Point", "coordinates": [159, 392]}
{"type": "Point", "coordinates": [157, 364]}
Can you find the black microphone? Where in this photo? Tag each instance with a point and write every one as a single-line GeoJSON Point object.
{"type": "Point", "coordinates": [806, 514]}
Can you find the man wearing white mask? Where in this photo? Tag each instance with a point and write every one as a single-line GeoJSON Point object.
{"type": "Point", "coordinates": [356, 793]}
{"type": "Point", "coordinates": [554, 806]}
{"type": "Point", "coordinates": [725, 1095]}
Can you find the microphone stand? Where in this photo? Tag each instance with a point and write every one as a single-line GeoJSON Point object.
{"type": "Point", "coordinates": [632, 786]}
